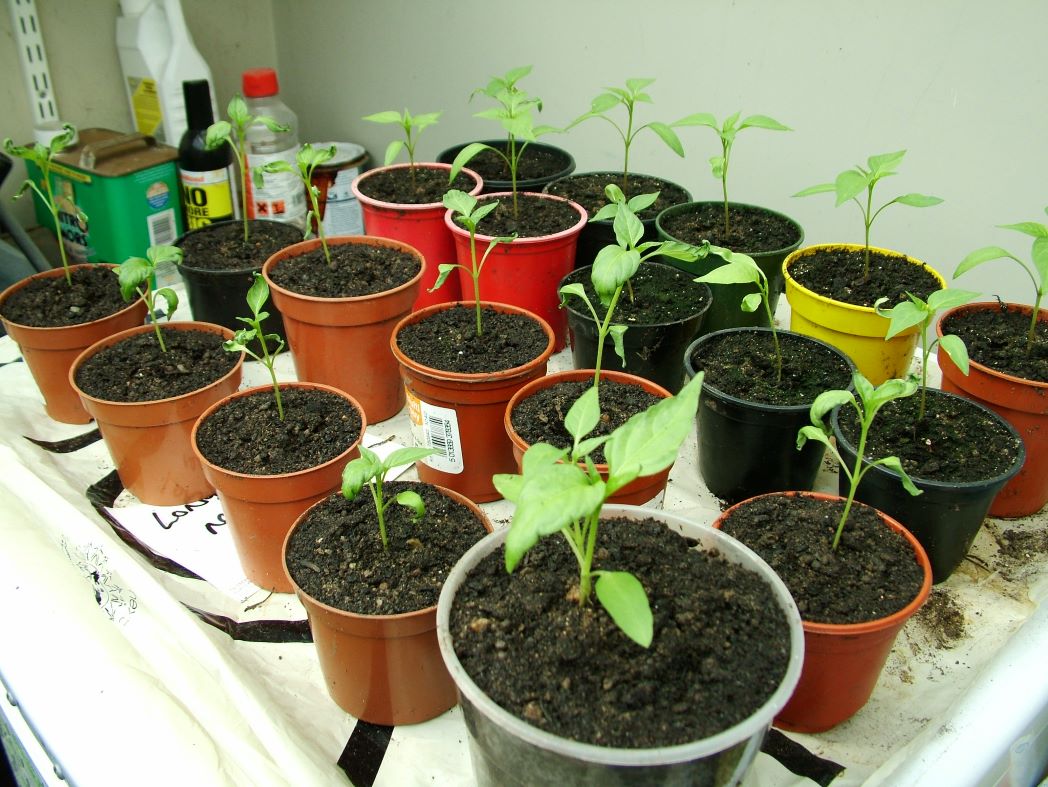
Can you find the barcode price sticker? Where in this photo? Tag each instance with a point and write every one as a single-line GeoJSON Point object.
{"type": "Point", "coordinates": [436, 427]}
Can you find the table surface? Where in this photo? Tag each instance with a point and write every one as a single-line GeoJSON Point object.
{"type": "Point", "coordinates": [123, 665]}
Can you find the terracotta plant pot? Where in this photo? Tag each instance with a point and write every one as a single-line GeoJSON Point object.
{"type": "Point", "coordinates": [49, 352]}
{"type": "Point", "coordinates": [638, 491]}
{"type": "Point", "coordinates": [1022, 403]}
{"type": "Point", "coordinates": [526, 272]}
{"type": "Point", "coordinates": [471, 408]}
{"type": "Point", "coordinates": [383, 669]}
{"type": "Point", "coordinates": [418, 225]}
{"type": "Point", "coordinates": [857, 330]}
{"type": "Point", "coordinates": [151, 442]}
{"type": "Point", "coordinates": [505, 750]}
{"type": "Point", "coordinates": [842, 662]}
{"type": "Point", "coordinates": [323, 332]}
{"type": "Point", "coordinates": [260, 509]}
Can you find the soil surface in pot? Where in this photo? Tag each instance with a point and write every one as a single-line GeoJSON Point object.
{"type": "Point", "coordinates": [873, 572]}
{"type": "Point", "coordinates": [540, 417]}
{"type": "Point", "coordinates": [448, 341]}
{"type": "Point", "coordinates": [356, 269]}
{"type": "Point", "coordinates": [536, 217]}
{"type": "Point", "coordinates": [720, 648]}
{"type": "Point", "coordinates": [53, 303]}
{"type": "Point", "coordinates": [536, 163]}
{"type": "Point", "coordinates": [661, 294]}
{"type": "Point", "coordinates": [838, 274]}
{"type": "Point", "coordinates": [396, 186]}
{"type": "Point", "coordinates": [221, 247]}
{"type": "Point", "coordinates": [956, 441]}
{"type": "Point", "coordinates": [335, 553]}
{"type": "Point", "coordinates": [135, 369]}
{"type": "Point", "coordinates": [751, 230]}
{"type": "Point", "coordinates": [997, 338]}
{"type": "Point", "coordinates": [587, 189]}
{"type": "Point", "coordinates": [742, 364]}
{"type": "Point", "coordinates": [247, 436]}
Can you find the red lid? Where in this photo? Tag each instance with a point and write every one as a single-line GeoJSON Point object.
{"type": "Point", "coordinates": [259, 82]}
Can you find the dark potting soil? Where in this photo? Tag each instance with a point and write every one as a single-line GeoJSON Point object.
{"type": "Point", "coordinates": [536, 217]}
{"type": "Point", "coordinates": [540, 417]}
{"type": "Point", "coordinates": [742, 364]}
{"type": "Point", "coordinates": [356, 269]}
{"type": "Point", "coordinates": [587, 189]}
{"type": "Point", "coordinates": [448, 341]}
{"type": "Point", "coordinates": [53, 303]}
{"type": "Point", "coordinates": [336, 554]}
{"type": "Point", "coordinates": [872, 573]}
{"type": "Point", "coordinates": [221, 247]}
{"type": "Point", "coordinates": [955, 441]}
{"type": "Point", "coordinates": [750, 229]}
{"type": "Point", "coordinates": [838, 274]}
{"type": "Point", "coordinates": [720, 647]}
{"type": "Point", "coordinates": [661, 294]}
{"type": "Point", "coordinates": [246, 435]}
{"type": "Point", "coordinates": [997, 338]}
{"type": "Point", "coordinates": [536, 163]}
{"type": "Point", "coordinates": [397, 186]}
{"type": "Point", "coordinates": [135, 369]}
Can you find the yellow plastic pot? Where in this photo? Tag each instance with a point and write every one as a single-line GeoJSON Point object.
{"type": "Point", "coordinates": [858, 331]}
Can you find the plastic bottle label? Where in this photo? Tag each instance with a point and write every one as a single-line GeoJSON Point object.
{"type": "Point", "coordinates": [207, 197]}
{"type": "Point", "coordinates": [436, 427]}
{"type": "Point", "coordinates": [281, 195]}
{"type": "Point", "coordinates": [145, 103]}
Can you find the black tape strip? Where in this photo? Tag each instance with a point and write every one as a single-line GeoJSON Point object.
{"type": "Point", "coordinates": [257, 630]}
{"type": "Point", "coordinates": [69, 445]}
{"type": "Point", "coordinates": [798, 759]}
{"type": "Point", "coordinates": [364, 751]}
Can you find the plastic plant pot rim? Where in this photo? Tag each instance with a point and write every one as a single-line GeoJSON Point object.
{"type": "Point", "coordinates": [614, 177]}
{"type": "Point", "coordinates": [945, 485]}
{"type": "Point", "coordinates": [845, 629]}
{"type": "Point", "coordinates": [667, 755]}
{"type": "Point", "coordinates": [1023, 308]}
{"type": "Point", "coordinates": [585, 315]}
{"type": "Point", "coordinates": [55, 273]}
{"type": "Point", "coordinates": [823, 300]}
{"type": "Point", "coordinates": [747, 403]}
{"type": "Point", "coordinates": [472, 377]}
{"type": "Point", "coordinates": [569, 160]}
{"type": "Point", "coordinates": [409, 207]}
{"type": "Point", "coordinates": [685, 207]}
{"type": "Point", "coordinates": [284, 386]}
{"type": "Point", "coordinates": [575, 229]}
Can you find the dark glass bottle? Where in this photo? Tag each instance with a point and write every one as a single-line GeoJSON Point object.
{"type": "Point", "coordinates": [206, 175]}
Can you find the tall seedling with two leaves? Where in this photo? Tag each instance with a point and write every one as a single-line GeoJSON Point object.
{"type": "Point", "coordinates": [137, 275]}
{"type": "Point", "coordinates": [370, 471]}
{"type": "Point", "coordinates": [412, 126]}
{"type": "Point", "coordinates": [307, 160]}
{"type": "Point", "coordinates": [257, 295]}
{"type": "Point", "coordinates": [560, 491]}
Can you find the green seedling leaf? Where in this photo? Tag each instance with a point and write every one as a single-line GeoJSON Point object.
{"type": "Point", "coordinates": [917, 200]}
{"type": "Point", "coordinates": [444, 270]}
{"type": "Point", "coordinates": [508, 485]}
{"type": "Point", "coordinates": [388, 117]}
{"type": "Point", "coordinates": [979, 256]}
{"type": "Point", "coordinates": [765, 122]}
{"type": "Point", "coordinates": [623, 596]}
{"type": "Point", "coordinates": [407, 456]}
{"type": "Point", "coordinates": [358, 472]}
{"type": "Point", "coordinates": [849, 185]}
{"type": "Point", "coordinates": [893, 463]}
{"type": "Point", "coordinates": [821, 188]}
{"type": "Point", "coordinates": [617, 332]}
{"type": "Point", "coordinates": [413, 501]}
{"type": "Point", "coordinates": [1031, 228]}
{"type": "Point", "coordinates": [583, 415]}
{"type": "Point", "coordinates": [954, 347]}
{"type": "Point", "coordinates": [752, 302]}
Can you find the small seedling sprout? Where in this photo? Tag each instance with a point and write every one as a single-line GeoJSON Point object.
{"type": "Point", "coordinates": [869, 401]}
{"type": "Point", "coordinates": [468, 213]}
{"type": "Point", "coordinates": [852, 182]}
{"type": "Point", "coordinates": [560, 491]}
{"type": "Point", "coordinates": [43, 156]}
{"type": "Point", "coordinates": [307, 159]}
{"type": "Point", "coordinates": [370, 471]}
{"type": "Point", "coordinates": [257, 295]}
{"type": "Point", "coordinates": [233, 132]}
{"type": "Point", "coordinates": [136, 277]}
{"type": "Point", "coordinates": [1038, 273]}
{"type": "Point", "coordinates": [412, 126]}
{"type": "Point", "coordinates": [727, 132]}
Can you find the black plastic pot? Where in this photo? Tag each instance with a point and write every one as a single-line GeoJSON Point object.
{"type": "Point", "coordinates": [598, 234]}
{"type": "Point", "coordinates": [748, 448]}
{"type": "Point", "coordinates": [565, 166]}
{"type": "Point", "coordinates": [727, 297]}
{"type": "Point", "coordinates": [946, 516]}
{"type": "Point", "coordinates": [654, 351]}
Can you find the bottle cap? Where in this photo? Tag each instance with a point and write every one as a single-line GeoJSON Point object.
{"type": "Point", "coordinates": [259, 82]}
{"type": "Point", "coordinates": [197, 95]}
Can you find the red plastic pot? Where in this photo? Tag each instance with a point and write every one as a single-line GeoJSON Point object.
{"type": "Point", "coordinates": [638, 491]}
{"type": "Point", "coordinates": [526, 272]}
{"type": "Point", "coordinates": [260, 509]}
{"type": "Point", "coordinates": [470, 407]}
{"type": "Point", "coordinates": [49, 352]}
{"type": "Point", "coordinates": [842, 662]}
{"type": "Point", "coordinates": [1022, 403]}
{"type": "Point", "coordinates": [419, 225]}
{"type": "Point", "coordinates": [344, 342]}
